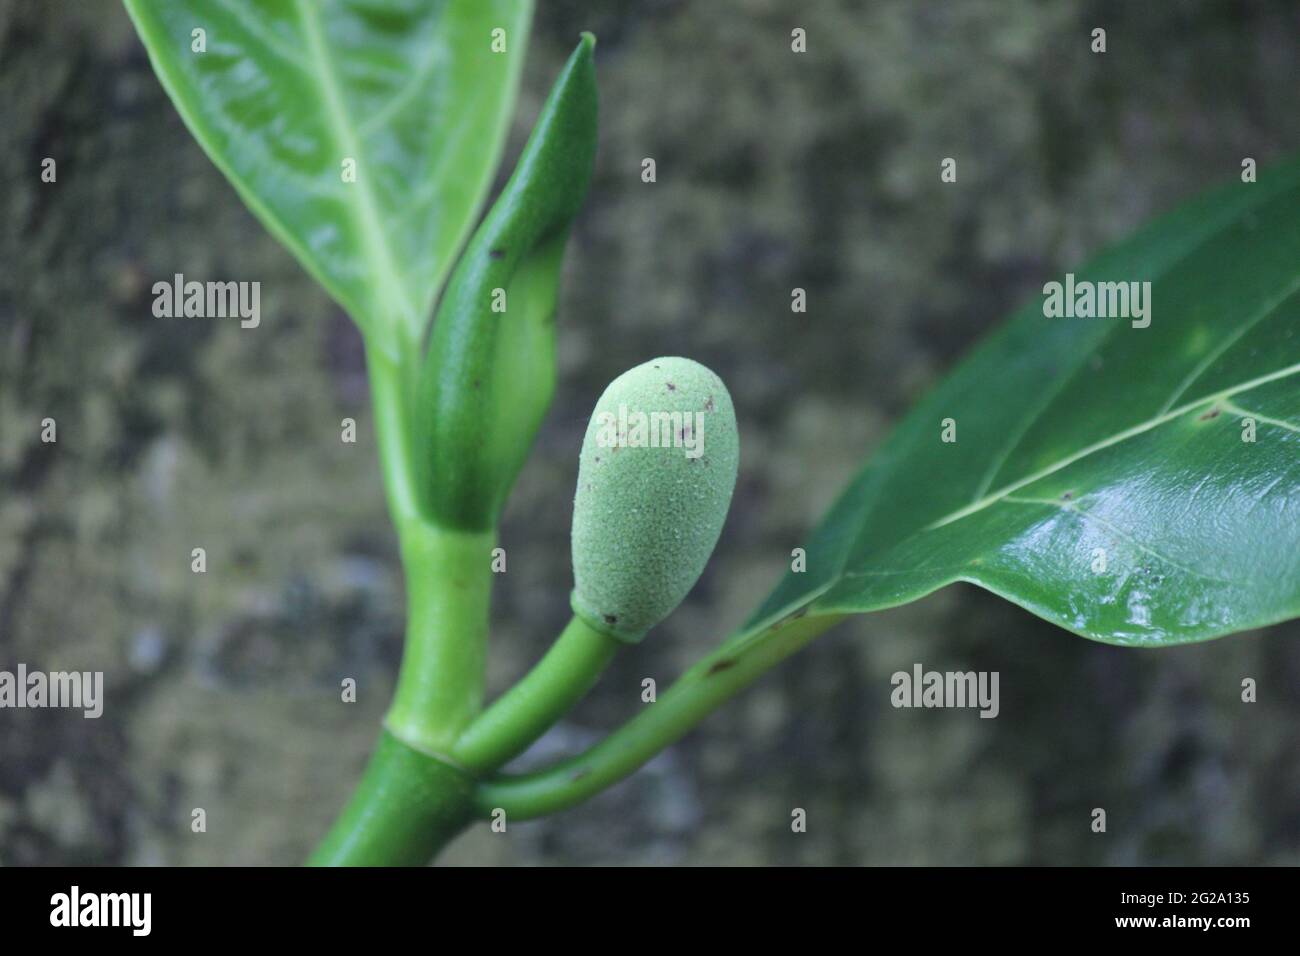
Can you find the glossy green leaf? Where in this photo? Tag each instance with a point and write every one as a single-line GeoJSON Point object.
{"type": "Point", "coordinates": [289, 94]}
{"type": "Point", "coordinates": [1100, 475]}
{"type": "Point", "coordinates": [489, 374]}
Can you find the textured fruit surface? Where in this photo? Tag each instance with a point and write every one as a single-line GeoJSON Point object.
{"type": "Point", "coordinates": [655, 479]}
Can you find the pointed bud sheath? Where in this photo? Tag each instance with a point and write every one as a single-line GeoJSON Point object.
{"type": "Point", "coordinates": [489, 374]}
{"type": "Point", "coordinates": [655, 479]}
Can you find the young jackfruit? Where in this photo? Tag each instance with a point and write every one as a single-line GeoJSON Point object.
{"type": "Point", "coordinates": [655, 479]}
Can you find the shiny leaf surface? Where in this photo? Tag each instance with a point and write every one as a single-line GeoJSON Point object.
{"type": "Point", "coordinates": [1103, 475]}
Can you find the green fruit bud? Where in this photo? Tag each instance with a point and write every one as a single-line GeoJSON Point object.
{"type": "Point", "coordinates": [489, 374]}
{"type": "Point", "coordinates": [655, 479]}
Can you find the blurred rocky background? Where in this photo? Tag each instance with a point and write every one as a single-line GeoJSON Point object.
{"type": "Point", "coordinates": [775, 170]}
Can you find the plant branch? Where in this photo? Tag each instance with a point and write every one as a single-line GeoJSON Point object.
{"type": "Point", "coordinates": [444, 664]}
{"type": "Point", "coordinates": [736, 664]}
{"type": "Point", "coordinates": [412, 799]}
{"type": "Point", "coordinates": [525, 712]}
{"type": "Point", "coordinates": [406, 808]}
{"type": "Point", "coordinates": [448, 583]}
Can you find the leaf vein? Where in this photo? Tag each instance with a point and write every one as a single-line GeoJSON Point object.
{"type": "Point", "coordinates": [1246, 413]}
{"type": "Point", "coordinates": [1270, 307]}
{"type": "Point", "coordinates": [342, 131]}
{"type": "Point", "coordinates": [1100, 341]}
{"type": "Point", "coordinates": [1105, 443]}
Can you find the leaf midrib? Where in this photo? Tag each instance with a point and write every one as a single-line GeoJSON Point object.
{"type": "Point", "coordinates": [1115, 439]}
{"type": "Point", "coordinates": [1104, 338]}
{"type": "Point", "coordinates": [391, 293]}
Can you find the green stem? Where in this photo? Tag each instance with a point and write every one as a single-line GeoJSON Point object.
{"type": "Point", "coordinates": [444, 665]}
{"type": "Point", "coordinates": [448, 583]}
{"type": "Point", "coordinates": [412, 799]}
{"type": "Point", "coordinates": [525, 712]}
{"type": "Point", "coordinates": [706, 685]}
{"type": "Point", "coordinates": [406, 808]}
